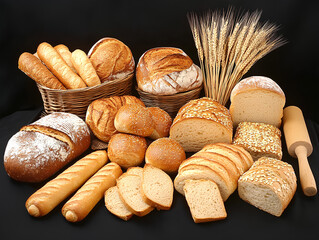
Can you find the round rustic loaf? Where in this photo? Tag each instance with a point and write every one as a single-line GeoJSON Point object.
{"type": "Point", "coordinates": [42, 148]}
{"type": "Point", "coordinates": [112, 59]}
{"type": "Point", "coordinates": [166, 71]}
{"type": "Point", "coordinates": [101, 113]}
{"type": "Point", "coordinates": [162, 121]}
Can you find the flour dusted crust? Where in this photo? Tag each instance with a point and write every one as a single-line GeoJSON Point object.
{"type": "Point", "coordinates": [166, 71]}
{"type": "Point", "coordinates": [42, 148]}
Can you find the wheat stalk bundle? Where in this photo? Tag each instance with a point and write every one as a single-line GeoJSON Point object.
{"type": "Point", "coordinates": [228, 46]}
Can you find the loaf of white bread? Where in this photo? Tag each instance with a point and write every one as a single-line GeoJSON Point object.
{"type": "Point", "coordinates": [269, 185]}
{"type": "Point", "coordinates": [259, 139]}
{"type": "Point", "coordinates": [257, 99]}
{"type": "Point", "coordinates": [166, 71]}
{"type": "Point", "coordinates": [200, 122]}
{"type": "Point", "coordinates": [42, 148]}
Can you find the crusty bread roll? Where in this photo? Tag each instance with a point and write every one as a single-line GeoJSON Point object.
{"type": "Point", "coordinates": [134, 119]}
{"type": "Point", "coordinates": [55, 63]}
{"type": "Point", "coordinates": [66, 55]}
{"type": "Point", "coordinates": [42, 148]}
{"type": "Point", "coordinates": [257, 99]}
{"type": "Point", "coordinates": [101, 113]}
{"type": "Point", "coordinates": [34, 68]}
{"type": "Point", "coordinates": [85, 68]}
{"type": "Point", "coordinates": [166, 154]}
{"type": "Point", "coordinates": [55, 191]}
{"type": "Point", "coordinates": [166, 71]}
{"type": "Point", "coordinates": [259, 139]}
{"type": "Point", "coordinates": [269, 185]}
{"type": "Point", "coordinates": [200, 122]}
{"type": "Point", "coordinates": [83, 201]}
{"type": "Point", "coordinates": [162, 122]}
{"type": "Point", "coordinates": [204, 200]}
{"type": "Point", "coordinates": [112, 59]}
{"type": "Point", "coordinates": [127, 150]}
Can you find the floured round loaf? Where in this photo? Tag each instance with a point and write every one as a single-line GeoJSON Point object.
{"type": "Point", "coordinates": [257, 99]}
{"type": "Point", "coordinates": [42, 148]}
{"type": "Point", "coordinates": [112, 59]}
{"type": "Point", "coordinates": [166, 71]}
{"type": "Point", "coordinates": [200, 122]}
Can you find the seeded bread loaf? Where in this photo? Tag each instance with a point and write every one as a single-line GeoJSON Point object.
{"type": "Point", "coordinates": [257, 99]}
{"type": "Point", "coordinates": [269, 185]}
{"type": "Point", "coordinates": [200, 122]}
{"type": "Point", "coordinates": [259, 139]}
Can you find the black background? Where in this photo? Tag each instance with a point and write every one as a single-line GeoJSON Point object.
{"type": "Point", "coordinates": [143, 25]}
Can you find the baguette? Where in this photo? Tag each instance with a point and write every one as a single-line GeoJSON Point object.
{"type": "Point", "coordinates": [34, 68]}
{"type": "Point", "coordinates": [55, 191]}
{"type": "Point", "coordinates": [80, 205]}
{"type": "Point", "coordinates": [85, 68]}
{"type": "Point", "coordinates": [58, 67]}
{"type": "Point", "coordinates": [66, 55]}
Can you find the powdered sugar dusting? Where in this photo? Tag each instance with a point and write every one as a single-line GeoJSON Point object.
{"type": "Point", "coordinates": [257, 82]}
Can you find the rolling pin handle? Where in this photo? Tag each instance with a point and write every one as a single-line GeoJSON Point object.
{"type": "Point", "coordinates": [307, 179]}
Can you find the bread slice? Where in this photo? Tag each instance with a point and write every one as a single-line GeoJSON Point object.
{"type": "Point", "coordinates": [216, 166]}
{"type": "Point", "coordinates": [157, 188]}
{"type": "Point", "coordinates": [135, 171]}
{"type": "Point", "coordinates": [204, 200]}
{"type": "Point", "coordinates": [266, 190]}
{"type": "Point", "coordinates": [129, 187]}
{"type": "Point", "coordinates": [197, 172]}
{"type": "Point", "coordinates": [115, 205]}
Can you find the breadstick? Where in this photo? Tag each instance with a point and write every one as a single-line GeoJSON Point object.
{"type": "Point", "coordinates": [85, 68]}
{"type": "Point", "coordinates": [33, 68]}
{"type": "Point", "coordinates": [66, 55]}
{"type": "Point", "coordinates": [55, 191]}
{"type": "Point", "coordinates": [80, 205]}
{"type": "Point", "coordinates": [52, 59]}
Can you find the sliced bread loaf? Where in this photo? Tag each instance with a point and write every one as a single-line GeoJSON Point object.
{"type": "Point", "coordinates": [157, 188]}
{"type": "Point", "coordinates": [204, 200]}
{"type": "Point", "coordinates": [115, 205]}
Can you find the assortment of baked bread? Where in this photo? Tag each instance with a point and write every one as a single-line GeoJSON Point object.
{"type": "Point", "coordinates": [205, 153]}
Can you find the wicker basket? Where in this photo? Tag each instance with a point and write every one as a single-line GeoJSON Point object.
{"type": "Point", "coordinates": [170, 103]}
{"type": "Point", "coordinates": [76, 101]}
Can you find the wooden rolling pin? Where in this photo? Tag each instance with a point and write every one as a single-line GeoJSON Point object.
{"type": "Point", "coordinates": [299, 145]}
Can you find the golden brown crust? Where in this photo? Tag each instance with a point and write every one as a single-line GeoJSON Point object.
{"type": "Point", "coordinates": [55, 191]}
{"type": "Point", "coordinates": [111, 58]}
{"type": "Point", "coordinates": [127, 150]}
{"type": "Point", "coordinates": [101, 113]}
{"type": "Point", "coordinates": [162, 121]}
{"type": "Point", "coordinates": [134, 119]}
{"type": "Point", "coordinates": [166, 154]}
{"type": "Point", "coordinates": [33, 68]}
{"type": "Point", "coordinates": [58, 67]}
{"type": "Point", "coordinates": [91, 193]}
{"type": "Point", "coordinates": [85, 68]}
{"type": "Point", "coordinates": [66, 55]}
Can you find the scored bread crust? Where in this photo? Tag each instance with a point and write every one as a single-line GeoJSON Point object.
{"type": "Point", "coordinates": [34, 68]}
{"type": "Point", "coordinates": [101, 113]}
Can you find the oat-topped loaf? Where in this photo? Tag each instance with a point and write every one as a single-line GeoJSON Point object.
{"type": "Point", "coordinates": [259, 139]}
{"type": "Point", "coordinates": [200, 122]}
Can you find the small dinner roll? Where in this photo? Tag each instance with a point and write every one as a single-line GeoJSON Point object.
{"type": "Point", "coordinates": [134, 119]}
{"type": "Point", "coordinates": [166, 154]}
{"type": "Point", "coordinates": [127, 150]}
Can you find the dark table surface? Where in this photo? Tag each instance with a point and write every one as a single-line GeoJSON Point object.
{"type": "Point", "coordinates": [299, 220]}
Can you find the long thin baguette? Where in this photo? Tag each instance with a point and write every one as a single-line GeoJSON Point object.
{"type": "Point", "coordinates": [55, 191]}
{"type": "Point", "coordinates": [53, 60]}
{"type": "Point", "coordinates": [66, 55]}
{"type": "Point", "coordinates": [80, 205]}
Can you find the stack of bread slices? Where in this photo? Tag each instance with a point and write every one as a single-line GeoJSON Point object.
{"type": "Point", "coordinates": [220, 163]}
